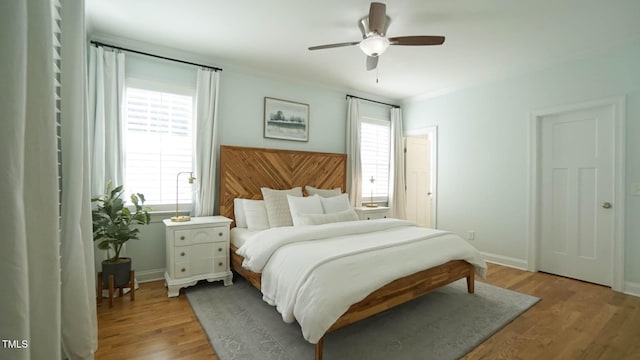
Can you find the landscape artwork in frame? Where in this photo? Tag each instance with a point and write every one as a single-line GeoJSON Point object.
{"type": "Point", "coordinates": [286, 120]}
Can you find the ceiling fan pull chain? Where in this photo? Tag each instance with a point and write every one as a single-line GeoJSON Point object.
{"type": "Point", "coordinates": [376, 75]}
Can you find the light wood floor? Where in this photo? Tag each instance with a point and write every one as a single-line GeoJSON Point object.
{"type": "Point", "coordinates": [574, 320]}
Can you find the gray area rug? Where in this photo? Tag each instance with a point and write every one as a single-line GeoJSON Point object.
{"type": "Point", "coordinates": [444, 324]}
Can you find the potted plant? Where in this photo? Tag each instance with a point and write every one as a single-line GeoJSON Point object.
{"type": "Point", "coordinates": [114, 225]}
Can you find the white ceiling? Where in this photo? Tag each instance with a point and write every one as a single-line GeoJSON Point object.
{"type": "Point", "coordinates": [484, 39]}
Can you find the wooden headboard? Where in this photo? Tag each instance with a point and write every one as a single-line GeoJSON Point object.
{"type": "Point", "coordinates": [244, 170]}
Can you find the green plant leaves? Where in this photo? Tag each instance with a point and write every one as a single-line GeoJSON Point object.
{"type": "Point", "coordinates": [113, 221]}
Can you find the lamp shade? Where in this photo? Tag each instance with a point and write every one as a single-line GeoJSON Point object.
{"type": "Point", "coordinates": [374, 45]}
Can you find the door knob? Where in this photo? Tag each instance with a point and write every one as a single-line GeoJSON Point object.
{"type": "Point", "coordinates": [606, 205]}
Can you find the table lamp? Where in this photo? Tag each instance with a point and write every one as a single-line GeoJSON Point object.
{"type": "Point", "coordinates": [182, 218]}
{"type": "Point", "coordinates": [371, 204]}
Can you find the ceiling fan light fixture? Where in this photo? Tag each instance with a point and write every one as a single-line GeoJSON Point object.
{"type": "Point", "coordinates": [374, 45]}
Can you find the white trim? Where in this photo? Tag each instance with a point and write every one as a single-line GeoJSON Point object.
{"type": "Point", "coordinates": [536, 116]}
{"type": "Point", "coordinates": [159, 86]}
{"type": "Point", "coordinates": [150, 275]}
{"type": "Point", "coordinates": [168, 207]}
{"type": "Point", "coordinates": [631, 288]}
{"type": "Point", "coordinates": [376, 121]}
{"type": "Point", "coordinates": [520, 264]}
{"type": "Point", "coordinates": [158, 216]}
{"type": "Point", "coordinates": [432, 131]}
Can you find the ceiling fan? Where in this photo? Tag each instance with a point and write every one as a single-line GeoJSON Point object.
{"type": "Point", "coordinates": [374, 41]}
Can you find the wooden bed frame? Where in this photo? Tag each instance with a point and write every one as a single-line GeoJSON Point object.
{"type": "Point", "coordinates": [243, 171]}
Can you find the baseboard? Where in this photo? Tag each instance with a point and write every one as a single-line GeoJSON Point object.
{"type": "Point", "coordinates": [505, 261]}
{"type": "Point", "coordinates": [632, 288]}
{"type": "Point", "coordinates": [150, 275]}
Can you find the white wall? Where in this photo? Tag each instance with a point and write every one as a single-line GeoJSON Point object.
{"type": "Point", "coordinates": [483, 135]}
{"type": "Point", "coordinates": [241, 112]}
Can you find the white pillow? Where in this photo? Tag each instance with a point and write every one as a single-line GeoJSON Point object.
{"type": "Point", "coordinates": [322, 192]}
{"type": "Point", "coordinates": [278, 206]}
{"type": "Point", "coordinates": [335, 204]}
{"type": "Point", "coordinates": [256, 214]}
{"type": "Point", "coordinates": [238, 212]}
{"type": "Point", "coordinates": [319, 219]}
{"type": "Point", "coordinates": [303, 205]}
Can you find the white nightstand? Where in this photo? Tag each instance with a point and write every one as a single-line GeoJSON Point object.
{"type": "Point", "coordinates": [369, 213]}
{"type": "Point", "coordinates": [196, 250]}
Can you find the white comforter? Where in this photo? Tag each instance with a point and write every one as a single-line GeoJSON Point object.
{"type": "Point", "coordinates": [313, 274]}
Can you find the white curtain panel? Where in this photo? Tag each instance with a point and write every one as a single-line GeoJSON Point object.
{"type": "Point", "coordinates": [29, 259]}
{"type": "Point", "coordinates": [106, 86]}
{"type": "Point", "coordinates": [79, 322]}
{"type": "Point", "coordinates": [105, 99]}
{"type": "Point", "coordinates": [354, 164]}
{"type": "Point", "coordinates": [206, 141]}
{"type": "Point", "coordinates": [397, 188]}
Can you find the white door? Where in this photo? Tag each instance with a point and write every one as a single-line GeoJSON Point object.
{"type": "Point", "coordinates": [577, 192]}
{"type": "Point", "coordinates": [418, 180]}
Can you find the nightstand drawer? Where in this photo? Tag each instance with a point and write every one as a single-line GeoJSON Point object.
{"type": "Point", "coordinates": [220, 234]}
{"type": "Point", "coordinates": [182, 253]}
{"type": "Point", "coordinates": [182, 269]}
{"type": "Point", "coordinates": [372, 216]}
{"type": "Point", "coordinates": [200, 236]}
{"type": "Point", "coordinates": [182, 237]}
{"type": "Point", "coordinates": [220, 249]}
{"type": "Point", "coordinates": [219, 265]}
{"type": "Point", "coordinates": [372, 213]}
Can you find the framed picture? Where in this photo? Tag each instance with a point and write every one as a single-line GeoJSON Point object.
{"type": "Point", "coordinates": [286, 120]}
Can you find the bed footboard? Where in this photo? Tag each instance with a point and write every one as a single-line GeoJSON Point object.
{"type": "Point", "coordinates": [391, 295]}
{"type": "Point", "coordinates": [403, 290]}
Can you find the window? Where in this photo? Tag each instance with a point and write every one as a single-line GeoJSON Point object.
{"type": "Point", "coordinates": [158, 143]}
{"type": "Point", "coordinates": [375, 136]}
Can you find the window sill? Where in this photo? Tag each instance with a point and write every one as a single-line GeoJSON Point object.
{"type": "Point", "coordinates": [158, 215]}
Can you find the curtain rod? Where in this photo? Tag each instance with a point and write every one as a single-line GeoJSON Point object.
{"type": "Point", "coordinates": [373, 101]}
{"type": "Point", "coordinates": [97, 43]}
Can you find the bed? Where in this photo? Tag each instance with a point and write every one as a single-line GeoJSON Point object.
{"type": "Point", "coordinates": [244, 171]}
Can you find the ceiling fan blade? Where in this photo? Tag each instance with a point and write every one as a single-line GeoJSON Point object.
{"type": "Point", "coordinates": [334, 45]}
{"type": "Point", "coordinates": [377, 17]}
{"type": "Point", "coordinates": [417, 40]}
{"type": "Point", "coordinates": [372, 62]}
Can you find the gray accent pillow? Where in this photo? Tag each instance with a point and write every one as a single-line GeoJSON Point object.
{"type": "Point", "coordinates": [319, 219]}
{"type": "Point", "coordinates": [322, 192]}
{"type": "Point", "coordinates": [277, 205]}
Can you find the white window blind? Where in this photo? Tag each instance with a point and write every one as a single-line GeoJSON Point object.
{"type": "Point", "coordinates": [159, 133]}
{"type": "Point", "coordinates": [375, 136]}
{"type": "Point", "coordinates": [56, 31]}
{"type": "Point", "coordinates": [56, 23]}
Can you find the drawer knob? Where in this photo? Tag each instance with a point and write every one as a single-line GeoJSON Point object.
{"type": "Point", "coordinates": [182, 237]}
{"type": "Point", "coordinates": [183, 270]}
{"type": "Point", "coordinates": [220, 249]}
{"type": "Point", "coordinates": [182, 253]}
{"type": "Point", "coordinates": [219, 264]}
{"type": "Point", "coordinates": [219, 234]}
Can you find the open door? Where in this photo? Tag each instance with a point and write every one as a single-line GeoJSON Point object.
{"type": "Point", "coordinates": [420, 175]}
